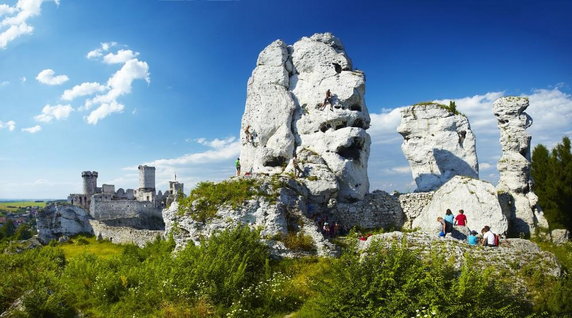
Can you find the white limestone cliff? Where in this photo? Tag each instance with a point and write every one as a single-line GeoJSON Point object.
{"type": "Point", "coordinates": [517, 198]}
{"type": "Point", "coordinates": [57, 220]}
{"type": "Point", "coordinates": [477, 198]}
{"type": "Point", "coordinates": [438, 143]}
{"type": "Point", "coordinates": [287, 113]}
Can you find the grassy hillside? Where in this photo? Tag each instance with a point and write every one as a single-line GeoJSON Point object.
{"type": "Point", "coordinates": [15, 206]}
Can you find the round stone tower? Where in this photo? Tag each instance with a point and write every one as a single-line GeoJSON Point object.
{"type": "Point", "coordinates": [146, 177]}
{"type": "Point", "coordinates": [89, 182]}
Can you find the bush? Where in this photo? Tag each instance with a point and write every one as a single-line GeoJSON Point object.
{"type": "Point", "coordinates": [298, 242]}
{"type": "Point", "coordinates": [395, 282]}
{"type": "Point", "coordinates": [203, 202]}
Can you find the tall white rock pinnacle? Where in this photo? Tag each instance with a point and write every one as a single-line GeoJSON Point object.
{"type": "Point", "coordinates": [289, 111]}
{"type": "Point", "coordinates": [438, 143]}
{"type": "Point", "coordinates": [517, 199]}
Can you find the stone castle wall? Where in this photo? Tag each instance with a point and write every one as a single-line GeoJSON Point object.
{"type": "Point", "coordinates": [124, 235]}
{"type": "Point", "coordinates": [122, 209]}
{"type": "Point", "coordinates": [412, 204]}
{"type": "Point", "coordinates": [378, 209]}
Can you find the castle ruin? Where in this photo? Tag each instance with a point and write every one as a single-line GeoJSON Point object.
{"type": "Point", "coordinates": [137, 208]}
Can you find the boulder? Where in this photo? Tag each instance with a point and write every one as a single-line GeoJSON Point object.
{"type": "Point", "coordinates": [518, 201]}
{"type": "Point", "coordinates": [438, 143]}
{"type": "Point", "coordinates": [287, 112]}
{"type": "Point", "coordinates": [59, 220]}
{"type": "Point", "coordinates": [477, 198]}
{"type": "Point", "coordinates": [560, 236]}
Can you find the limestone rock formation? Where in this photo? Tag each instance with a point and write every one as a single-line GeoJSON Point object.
{"type": "Point", "coordinates": [517, 199]}
{"type": "Point", "coordinates": [438, 143]}
{"type": "Point", "coordinates": [61, 220]}
{"type": "Point", "coordinates": [477, 198]}
{"type": "Point", "coordinates": [287, 213]}
{"type": "Point", "coordinates": [288, 112]}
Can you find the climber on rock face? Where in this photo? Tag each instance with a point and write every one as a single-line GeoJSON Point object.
{"type": "Point", "coordinates": [328, 100]}
{"type": "Point", "coordinates": [248, 134]}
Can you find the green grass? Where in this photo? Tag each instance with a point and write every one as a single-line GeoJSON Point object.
{"type": "Point", "coordinates": [205, 200]}
{"type": "Point", "coordinates": [80, 245]}
{"type": "Point", "coordinates": [15, 206]}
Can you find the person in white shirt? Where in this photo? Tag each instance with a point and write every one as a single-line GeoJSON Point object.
{"type": "Point", "coordinates": [488, 236]}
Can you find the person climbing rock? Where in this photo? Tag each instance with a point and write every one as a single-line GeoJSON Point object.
{"type": "Point", "coordinates": [328, 100]}
{"type": "Point", "coordinates": [297, 171]}
{"type": "Point", "coordinates": [248, 135]}
{"type": "Point", "coordinates": [237, 165]}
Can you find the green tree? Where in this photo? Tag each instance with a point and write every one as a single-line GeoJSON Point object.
{"type": "Point", "coordinates": [8, 229]}
{"type": "Point", "coordinates": [552, 174]}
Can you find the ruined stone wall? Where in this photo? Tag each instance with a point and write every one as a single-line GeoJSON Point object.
{"type": "Point", "coordinates": [119, 209]}
{"type": "Point", "coordinates": [377, 210]}
{"type": "Point", "coordinates": [412, 204]}
{"type": "Point", "coordinates": [124, 235]}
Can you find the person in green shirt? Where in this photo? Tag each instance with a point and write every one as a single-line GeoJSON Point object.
{"type": "Point", "coordinates": [237, 165]}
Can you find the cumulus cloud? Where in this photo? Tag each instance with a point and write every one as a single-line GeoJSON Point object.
{"type": "Point", "coordinates": [15, 19]}
{"type": "Point", "coordinates": [10, 125]}
{"type": "Point", "coordinates": [229, 151]}
{"type": "Point", "coordinates": [57, 112]}
{"type": "Point", "coordinates": [216, 143]}
{"type": "Point", "coordinates": [118, 84]}
{"type": "Point", "coordinates": [104, 47]}
{"type": "Point", "coordinates": [47, 77]}
{"type": "Point", "coordinates": [32, 130]}
{"type": "Point", "coordinates": [121, 56]}
{"type": "Point", "coordinates": [83, 89]}
{"type": "Point", "coordinates": [103, 111]}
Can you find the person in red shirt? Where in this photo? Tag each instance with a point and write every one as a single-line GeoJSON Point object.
{"type": "Point", "coordinates": [461, 219]}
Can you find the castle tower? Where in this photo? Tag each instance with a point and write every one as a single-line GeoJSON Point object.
{"type": "Point", "coordinates": [89, 182]}
{"type": "Point", "coordinates": [146, 177]}
{"type": "Point", "coordinates": [176, 187]}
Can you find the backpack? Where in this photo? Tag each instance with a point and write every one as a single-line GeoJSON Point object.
{"type": "Point", "coordinates": [497, 240]}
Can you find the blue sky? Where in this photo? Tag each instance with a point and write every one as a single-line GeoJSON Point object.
{"type": "Point", "coordinates": [168, 80]}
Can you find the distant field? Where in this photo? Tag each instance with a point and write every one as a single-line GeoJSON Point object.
{"type": "Point", "coordinates": [13, 206]}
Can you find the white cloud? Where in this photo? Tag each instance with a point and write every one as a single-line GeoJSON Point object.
{"type": "Point", "coordinates": [23, 79]}
{"type": "Point", "coordinates": [32, 130]}
{"type": "Point", "coordinates": [104, 110]}
{"type": "Point", "coordinates": [10, 125]}
{"type": "Point", "coordinates": [121, 56]}
{"type": "Point", "coordinates": [485, 166]}
{"type": "Point", "coordinates": [14, 24]}
{"type": "Point", "coordinates": [222, 149]}
{"type": "Point", "coordinates": [57, 112]}
{"type": "Point", "coordinates": [216, 143]}
{"type": "Point", "coordinates": [47, 77]}
{"type": "Point", "coordinates": [4, 83]}
{"type": "Point", "coordinates": [83, 89]}
{"type": "Point", "coordinates": [104, 47]}
{"type": "Point", "coordinates": [383, 128]}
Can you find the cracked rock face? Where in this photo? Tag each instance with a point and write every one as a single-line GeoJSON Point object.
{"type": "Point", "coordinates": [477, 198]}
{"type": "Point", "coordinates": [438, 145]}
{"type": "Point", "coordinates": [62, 220]}
{"type": "Point", "coordinates": [307, 97]}
{"type": "Point", "coordinates": [518, 200]}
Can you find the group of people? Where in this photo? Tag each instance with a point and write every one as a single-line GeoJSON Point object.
{"type": "Point", "coordinates": [487, 237]}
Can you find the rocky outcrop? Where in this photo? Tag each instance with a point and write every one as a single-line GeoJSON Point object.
{"type": "Point", "coordinates": [560, 236]}
{"type": "Point", "coordinates": [307, 98]}
{"type": "Point", "coordinates": [58, 220]}
{"type": "Point", "coordinates": [377, 210]}
{"type": "Point", "coordinates": [511, 255]}
{"type": "Point", "coordinates": [477, 198]}
{"type": "Point", "coordinates": [517, 199]}
{"type": "Point", "coordinates": [438, 143]}
{"type": "Point", "coordinates": [412, 205]}
{"type": "Point", "coordinates": [281, 207]}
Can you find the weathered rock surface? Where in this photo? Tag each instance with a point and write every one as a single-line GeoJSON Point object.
{"type": "Point", "coordinates": [511, 255]}
{"type": "Point", "coordinates": [287, 113]}
{"type": "Point", "coordinates": [412, 205]}
{"type": "Point", "coordinates": [517, 199]}
{"type": "Point", "coordinates": [560, 236]}
{"type": "Point", "coordinates": [377, 210]}
{"type": "Point", "coordinates": [62, 220]}
{"type": "Point", "coordinates": [477, 198]}
{"type": "Point", "coordinates": [275, 217]}
{"type": "Point", "coordinates": [438, 144]}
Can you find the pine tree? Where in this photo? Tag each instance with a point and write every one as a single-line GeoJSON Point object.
{"type": "Point", "coordinates": [552, 174]}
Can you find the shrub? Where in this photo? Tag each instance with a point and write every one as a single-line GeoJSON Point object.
{"type": "Point", "coordinates": [204, 201]}
{"type": "Point", "coordinates": [298, 242]}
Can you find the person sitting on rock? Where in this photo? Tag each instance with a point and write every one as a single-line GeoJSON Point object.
{"type": "Point", "coordinates": [449, 219]}
{"type": "Point", "coordinates": [327, 100]}
{"type": "Point", "coordinates": [472, 239]}
{"type": "Point", "coordinates": [442, 226]}
{"type": "Point", "coordinates": [489, 238]}
{"type": "Point", "coordinates": [461, 219]}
